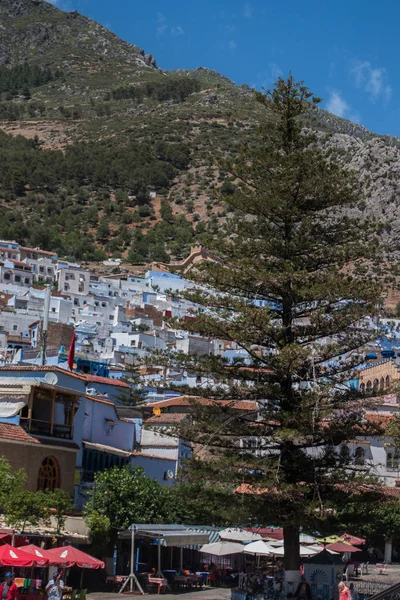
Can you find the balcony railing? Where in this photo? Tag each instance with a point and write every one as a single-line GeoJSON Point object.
{"type": "Point", "coordinates": [37, 427]}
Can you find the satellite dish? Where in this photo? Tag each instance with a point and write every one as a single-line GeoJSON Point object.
{"type": "Point", "coordinates": [169, 474]}
{"type": "Point", "coordinates": [156, 411]}
{"type": "Point", "coordinates": [51, 378]}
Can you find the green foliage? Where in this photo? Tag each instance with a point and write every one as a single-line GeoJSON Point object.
{"type": "Point", "coordinates": [177, 89]}
{"type": "Point", "coordinates": [370, 519]}
{"type": "Point", "coordinates": [59, 502]}
{"type": "Point", "coordinates": [21, 78]}
{"type": "Point", "coordinates": [122, 496]}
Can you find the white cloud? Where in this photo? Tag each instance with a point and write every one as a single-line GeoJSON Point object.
{"type": "Point", "coordinates": [338, 106]}
{"type": "Point", "coordinates": [55, 2]}
{"type": "Point", "coordinates": [373, 80]}
{"type": "Point", "coordinates": [232, 45]}
{"type": "Point", "coordinates": [161, 24]}
{"type": "Point", "coordinates": [248, 10]}
{"type": "Point", "coordinates": [177, 30]}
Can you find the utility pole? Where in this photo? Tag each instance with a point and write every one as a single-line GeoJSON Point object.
{"type": "Point", "coordinates": [45, 322]}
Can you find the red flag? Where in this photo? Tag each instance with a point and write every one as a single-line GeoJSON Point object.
{"type": "Point", "coordinates": [71, 353]}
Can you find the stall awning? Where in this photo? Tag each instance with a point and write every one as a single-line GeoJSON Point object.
{"type": "Point", "coordinates": [11, 404]}
{"type": "Point", "coordinates": [170, 535]}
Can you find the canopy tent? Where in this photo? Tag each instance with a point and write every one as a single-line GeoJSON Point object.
{"type": "Point", "coordinates": [167, 535]}
{"type": "Point", "coordinates": [239, 535]}
{"type": "Point", "coordinates": [68, 556]}
{"type": "Point", "coordinates": [352, 539]}
{"type": "Point", "coordinates": [260, 548]}
{"type": "Point", "coordinates": [342, 546]}
{"type": "Point", "coordinates": [223, 548]}
{"type": "Point", "coordinates": [15, 557]}
{"type": "Point", "coordinates": [41, 560]}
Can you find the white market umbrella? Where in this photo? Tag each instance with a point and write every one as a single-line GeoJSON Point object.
{"type": "Point", "coordinates": [222, 548]}
{"type": "Point", "coordinates": [304, 551]}
{"type": "Point", "coordinates": [260, 548]}
{"type": "Point", "coordinates": [239, 535]}
{"type": "Point", "coordinates": [307, 539]}
{"type": "Point", "coordinates": [276, 543]}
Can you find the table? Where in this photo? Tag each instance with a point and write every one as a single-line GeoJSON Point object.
{"type": "Point", "coordinates": [382, 567]}
{"type": "Point", "coordinates": [159, 581]}
{"type": "Point", "coordinates": [116, 580]}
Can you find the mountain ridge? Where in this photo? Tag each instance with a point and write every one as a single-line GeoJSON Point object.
{"type": "Point", "coordinates": [106, 92]}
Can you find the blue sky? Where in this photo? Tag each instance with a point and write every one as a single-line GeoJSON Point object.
{"type": "Point", "coordinates": [346, 51]}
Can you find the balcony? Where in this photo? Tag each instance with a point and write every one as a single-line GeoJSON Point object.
{"type": "Point", "coordinates": [36, 427]}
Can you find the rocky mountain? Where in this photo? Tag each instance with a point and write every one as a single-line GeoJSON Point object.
{"type": "Point", "coordinates": [120, 156]}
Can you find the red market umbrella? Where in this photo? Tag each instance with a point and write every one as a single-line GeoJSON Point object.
{"type": "Point", "coordinates": [352, 539]}
{"type": "Point", "coordinates": [39, 555]}
{"type": "Point", "coordinates": [15, 557]}
{"type": "Point", "coordinates": [342, 547]}
{"type": "Point", "coordinates": [68, 556]}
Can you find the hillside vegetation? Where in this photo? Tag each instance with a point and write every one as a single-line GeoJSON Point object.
{"type": "Point", "coordinates": [104, 154]}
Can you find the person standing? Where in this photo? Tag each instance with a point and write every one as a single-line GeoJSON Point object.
{"type": "Point", "coordinates": [344, 592]}
{"type": "Point", "coordinates": [8, 589]}
{"type": "Point", "coordinates": [353, 592]}
{"type": "Point", "coordinates": [54, 588]}
{"type": "Point", "coordinates": [303, 591]}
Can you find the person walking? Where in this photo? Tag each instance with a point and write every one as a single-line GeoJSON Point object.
{"type": "Point", "coordinates": [8, 589]}
{"type": "Point", "coordinates": [54, 588]}
{"type": "Point", "coordinates": [344, 592]}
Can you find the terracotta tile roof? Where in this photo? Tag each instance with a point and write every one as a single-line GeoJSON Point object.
{"type": "Point", "coordinates": [9, 431]}
{"type": "Point", "coordinates": [167, 418]}
{"type": "Point", "coordinates": [16, 433]}
{"type": "Point", "coordinates": [25, 249]}
{"type": "Point", "coordinates": [104, 380]}
{"type": "Point", "coordinates": [190, 400]}
{"type": "Point", "coordinates": [378, 419]}
{"type": "Point", "coordinates": [100, 400]}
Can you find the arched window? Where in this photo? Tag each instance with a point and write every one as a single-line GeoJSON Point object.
{"type": "Point", "coordinates": [362, 388]}
{"type": "Point", "coordinates": [344, 453]}
{"type": "Point", "coordinates": [387, 381]}
{"type": "Point", "coordinates": [382, 384]}
{"type": "Point", "coordinates": [376, 384]}
{"type": "Point", "coordinates": [369, 386]}
{"type": "Point", "coordinates": [359, 456]}
{"type": "Point", "coordinates": [49, 475]}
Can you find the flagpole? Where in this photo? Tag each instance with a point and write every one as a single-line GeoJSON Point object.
{"type": "Point", "coordinates": [46, 322]}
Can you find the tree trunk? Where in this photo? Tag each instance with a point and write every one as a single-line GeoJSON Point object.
{"type": "Point", "coordinates": [291, 537]}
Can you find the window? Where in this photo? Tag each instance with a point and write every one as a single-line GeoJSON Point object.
{"type": "Point", "coordinates": [369, 386]}
{"type": "Point", "coordinates": [18, 278]}
{"type": "Point", "coordinates": [393, 459]}
{"type": "Point", "coordinates": [7, 276]}
{"type": "Point", "coordinates": [15, 327]}
{"type": "Point", "coordinates": [382, 384]}
{"type": "Point", "coordinates": [49, 475]}
{"type": "Point", "coordinates": [376, 384]}
{"type": "Point", "coordinates": [27, 280]}
{"type": "Point", "coordinates": [344, 453]}
{"type": "Point", "coordinates": [53, 309]}
{"type": "Point", "coordinates": [359, 456]}
{"type": "Point", "coordinates": [362, 388]}
{"type": "Point", "coordinates": [387, 381]}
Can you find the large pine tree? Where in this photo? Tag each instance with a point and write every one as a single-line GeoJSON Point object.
{"type": "Point", "coordinates": [286, 293]}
